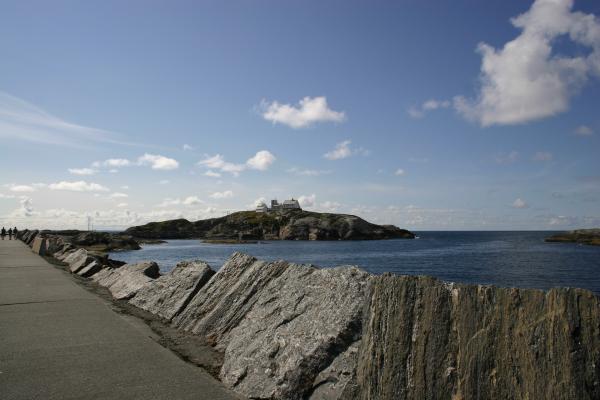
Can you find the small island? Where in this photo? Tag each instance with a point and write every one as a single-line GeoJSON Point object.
{"type": "Point", "coordinates": [286, 221]}
{"type": "Point", "coordinates": [582, 236]}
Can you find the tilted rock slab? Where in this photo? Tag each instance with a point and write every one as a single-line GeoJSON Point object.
{"type": "Point", "coordinates": [167, 295]}
{"type": "Point", "coordinates": [124, 282]}
{"type": "Point", "coordinates": [226, 299]}
{"type": "Point", "coordinates": [425, 339]}
{"type": "Point", "coordinates": [301, 320]}
{"type": "Point", "coordinates": [39, 246]}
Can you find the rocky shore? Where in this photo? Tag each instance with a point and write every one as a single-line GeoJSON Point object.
{"type": "Point", "coordinates": [281, 225]}
{"type": "Point", "coordinates": [582, 236]}
{"type": "Point", "coordinates": [290, 331]}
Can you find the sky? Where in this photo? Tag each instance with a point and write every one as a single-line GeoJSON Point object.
{"type": "Point", "coordinates": [462, 115]}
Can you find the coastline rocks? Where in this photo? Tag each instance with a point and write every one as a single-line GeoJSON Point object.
{"type": "Point", "coordinates": [583, 236]}
{"type": "Point", "coordinates": [301, 320]}
{"type": "Point", "coordinates": [167, 295]}
{"type": "Point", "coordinates": [124, 282]}
{"type": "Point", "coordinates": [423, 338]}
{"type": "Point", "coordinates": [104, 241]}
{"type": "Point", "coordinates": [39, 246]}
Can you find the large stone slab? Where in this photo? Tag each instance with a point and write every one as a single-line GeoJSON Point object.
{"type": "Point", "coordinates": [39, 246]}
{"type": "Point", "coordinates": [300, 321]}
{"type": "Point", "coordinates": [168, 295]}
{"type": "Point", "coordinates": [227, 297]}
{"type": "Point", "coordinates": [124, 282]}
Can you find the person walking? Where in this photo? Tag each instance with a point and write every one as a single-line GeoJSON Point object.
{"type": "Point", "coordinates": [9, 233]}
{"type": "Point", "coordinates": [3, 233]}
{"type": "Point", "coordinates": [15, 232]}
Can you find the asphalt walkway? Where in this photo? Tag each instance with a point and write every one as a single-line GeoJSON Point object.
{"type": "Point", "coordinates": [59, 341]}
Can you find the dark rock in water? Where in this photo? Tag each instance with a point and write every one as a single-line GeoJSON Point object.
{"type": "Point", "coordinates": [284, 225]}
{"type": "Point", "coordinates": [167, 295]}
{"type": "Point", "coordinates": [124, 282]}
{"type": "Point", "coordinates": [425, 339]}
{"type": "Point", "coordinates": [583, 236]}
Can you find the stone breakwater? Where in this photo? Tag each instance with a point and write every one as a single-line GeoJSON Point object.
{"type": "Point", "coordinates": [290, 331]}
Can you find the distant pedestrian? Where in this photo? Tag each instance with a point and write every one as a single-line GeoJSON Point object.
{"type": "Point", "coordinates": [9, 233]}
{"type": "Point", "coordinates": [3, 233]}
{"type": "Point", "coordinates": [15, 232]}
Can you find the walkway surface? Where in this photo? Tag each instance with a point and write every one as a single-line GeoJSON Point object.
{"type": "Point", "coordinates": [59, 341]}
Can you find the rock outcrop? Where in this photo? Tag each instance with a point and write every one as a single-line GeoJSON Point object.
{"type": "Point", "coordinates": [283, 225]}
{"type": "Point", "coordinates": [169, 294]}
{"type": "Point", "coordinates": [124, 282]}
{"type": "Point", "coordinates": [583, 236]}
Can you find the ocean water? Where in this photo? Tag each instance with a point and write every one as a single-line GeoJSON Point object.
{"type": "Point", "coordinates": [509, 259]}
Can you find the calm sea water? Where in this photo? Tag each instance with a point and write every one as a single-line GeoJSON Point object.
{"type": "Point", "coordinates": [510, 259]}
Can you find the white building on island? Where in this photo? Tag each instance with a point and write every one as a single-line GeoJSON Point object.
{"type": "Point", "coordinates": [291, 204]}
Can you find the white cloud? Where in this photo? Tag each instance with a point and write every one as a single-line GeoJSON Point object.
{"type": "Point", "coordinates": [307, 201]}
{"type": "Point", "coordinates": [308, 172]}
{"type": "Point", "coordinates": [187, 147]}
{"type": "Point", "coordinates": [261, 160]}
{"type": "Point", "coordinates": [526, 80]}
{"type": "Point", "coordinates": [158, 162]}
{"type": "Point", "coordinates": [117, 162]}
{"type": "Point", "coordinates": [543, 156]}
{"type": "Point", "coordinates": [212, 174]}
{"type": "Point", "coordinates": [22, 120]}
{"type": "Point", "coordinates": [399, 172]}
{"type": "Point", "coordinates": [122, 205]}
{"type": "Point", "coordinates": [429, 105]}
{"type": "Point", "coordinates": [6, 196]}
{"type": "Point", "coordinates": [125, 187]}
{"type": "Point", "coordinates": [519, 203]}
{"type": "Point", "coordinates": [330, 206]}
{"type": "Point", "coordinates": [227, 194]}
{"type": "Point", "coordinates": [343, 150]}
{"type": "Point", "coordinates": [308, 112]}
{"type": "Point", "coordinates": [169, 202]}
{"type": "Point", "coordinates": [118, 195]}
{"type": "Point", "coordinates": [21, 188]}
{"type": "Point", "coordinates": [82, 171]}
{"type": "Point", "coordinates": [78, 186]}
{"type": "Point", "coordinates": [26, 209]}
{"type": "Point", "coordinates": [191, 200]}
{"type": "Point", "coordinates": [583, 130]}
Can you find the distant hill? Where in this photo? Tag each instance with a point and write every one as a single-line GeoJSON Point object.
{"type": "Point", "coordinates": [583, 236]}
{"type": "Point", "coordinates": [281, 225]}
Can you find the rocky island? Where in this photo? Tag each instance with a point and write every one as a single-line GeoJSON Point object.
{"type": "Point", "coordinates": [582, 236]}
{"type": "Point", "coordinates": [292, 224]}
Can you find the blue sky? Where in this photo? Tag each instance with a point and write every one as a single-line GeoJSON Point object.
{"type": "Point", "coordinates": [428, 115]}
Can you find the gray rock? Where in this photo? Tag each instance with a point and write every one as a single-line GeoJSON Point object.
{"type": "Point", "coordinates": [124, 282]}
{"type": "Point", "coordinates": [90, 269]}
{"type": "Point", "coordinates": [300, 321]}
{"type": "Point", "coordinates": [77, 259]}
{"type": "Point", "coordinates": [39, 246]}
{"type": "Point", "coordinates": [227, 297]}
{"type": "Point", "coordinates": [338, 380]}
{"type": "Point", "coordinates": [167, 295]}
{"type": "Point", "coordinates": [66, 250]}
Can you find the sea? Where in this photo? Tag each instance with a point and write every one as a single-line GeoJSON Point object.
{"type": "Point", "coordinates": [508, 259]}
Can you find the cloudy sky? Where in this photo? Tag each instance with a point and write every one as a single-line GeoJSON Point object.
{"type": "Point", "coordinates": [427, 115]}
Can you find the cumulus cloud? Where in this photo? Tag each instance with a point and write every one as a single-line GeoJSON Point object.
{"type": "Point", "coordinates": [583, 130]}
{"type": "Point", "coordinates": [227, 194]}
{"type": "Point", "coordinates": [82, 171]}
{"type": "Point", "coordinates": [26, 208]}
{"type": "Point", "coordinates": [519, 203]}
{"type": "Point", "coordinates": [400, 172]}
{"type": "Point", "coordinates": [308, 112]}
{"type": "Point", "coordinates": [191, 200]}
{"type": "Point", "coordinates": [122, 205]}
{"type": "Point", "coordinates": [112, 163]}
{"type": "Point", "coordinates": [429, 105]}
{"type": "Point", "coordinates": [261, 160]}
{"type": "Point", "coordinates": [212, 174]}
{"type": "Point", "coordinates": [307, 201]}
{"type": "Point", "coordinates": [543, 156]}
{"type": "Point", "coordinates": [343, 150]}
{"type": "Point", "coordinates": [526, 79]}
{"type": "Point", "coordinates": [78, 186]}
{"type": "Point", "coordinates": [156, 161]}
{"type": "Point", "coordinates": [21, 188]}
{"type": "Point", "coordinates": [118, 195]}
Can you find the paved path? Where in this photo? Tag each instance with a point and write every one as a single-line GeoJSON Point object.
{"type": "Point", "coordinates": [59, 341]}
